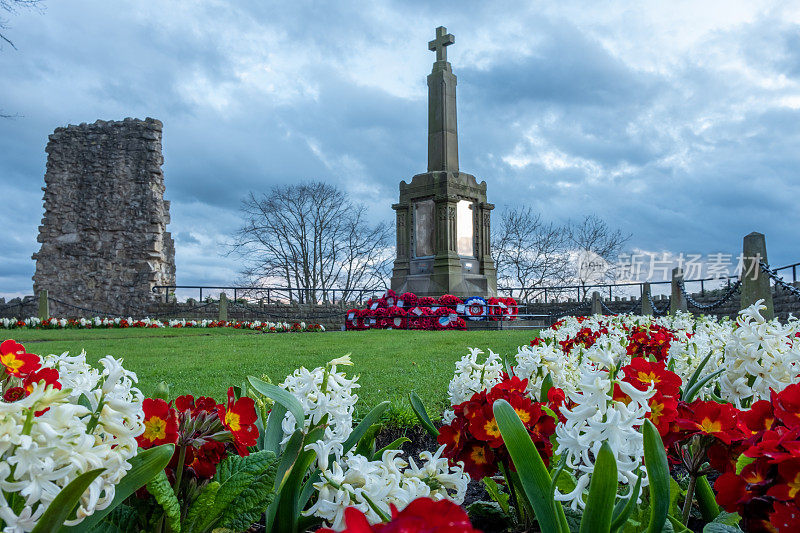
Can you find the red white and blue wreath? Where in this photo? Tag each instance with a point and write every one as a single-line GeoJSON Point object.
{"type": "Point", "coordinates": [475, 308]}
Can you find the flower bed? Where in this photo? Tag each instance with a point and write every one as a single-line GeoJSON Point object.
{"type": "Point", "coordinates": [117, 323]}
{"type": "Point", "coordinates": [408, 311]}
{"type": "Point", "coordinates": [600, 424]}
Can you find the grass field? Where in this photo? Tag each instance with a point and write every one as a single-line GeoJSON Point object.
{"type": "Point", "coordinates": [207, 361]}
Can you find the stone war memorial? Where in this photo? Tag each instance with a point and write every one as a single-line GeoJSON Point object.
{"type": "Point", "coordinates": [443, 216]}
{"type": "Point", "coordinates": [104, 243]}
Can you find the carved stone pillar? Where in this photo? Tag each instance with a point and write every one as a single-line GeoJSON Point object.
{"type": "Point", "coordinates": [485, 245]}
{"type": "Point", "coordinates": [402, 213]}
{"type": "Point", "coordinates": [446, 226]}
{"type": "Point", "coordinates": [401, 263]}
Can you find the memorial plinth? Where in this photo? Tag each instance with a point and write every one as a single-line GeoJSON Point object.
{"type": "Point", "coordinates": [443, 216]}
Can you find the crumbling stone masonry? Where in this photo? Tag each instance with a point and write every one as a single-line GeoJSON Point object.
{"type": "Point", "coordinates": [104, 233]}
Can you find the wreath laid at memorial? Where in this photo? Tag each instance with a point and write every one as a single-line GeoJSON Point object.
{"type": "Point", "coordinates": [409, 311]}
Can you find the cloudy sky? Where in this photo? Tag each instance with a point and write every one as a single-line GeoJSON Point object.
{"type": "Point", "coordinates": [678, 122]}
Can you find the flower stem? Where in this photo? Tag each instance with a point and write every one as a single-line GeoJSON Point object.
{"type": "Point", "coordinates": [687, 505]}
{"type": "Point", "coordinates": [513, 493]}
{"type": "Point", "coordinates": [179, 470]}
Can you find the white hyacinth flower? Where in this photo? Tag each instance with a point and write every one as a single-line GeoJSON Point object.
{"type": "Point", "coordinates": [39, 458]}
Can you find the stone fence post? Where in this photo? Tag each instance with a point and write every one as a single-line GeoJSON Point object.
{"type": "Point", "coordinates": [597, 308]}
{"type": "Point", "coordinates": [44, 305]}
{"type": "Point", "coordinates": [677, 301]}
{"type": "Point", "coordinates": [223, 307]}
{"type": "Point", "coordinates": [647, 308]}
{"type": "Point", "coordinates": [755, 283]}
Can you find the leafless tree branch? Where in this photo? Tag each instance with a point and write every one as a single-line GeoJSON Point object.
{"type": "Point", "coordinates": [311, 236]}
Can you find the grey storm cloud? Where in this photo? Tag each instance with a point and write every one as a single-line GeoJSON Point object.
{"type": "Point", "coordinates": [679, 126]}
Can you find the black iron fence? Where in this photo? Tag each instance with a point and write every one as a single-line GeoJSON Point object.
{"type": "Point", "coordinates": [544, 294]}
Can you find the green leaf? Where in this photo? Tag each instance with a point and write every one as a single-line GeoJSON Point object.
{"type": "Point", "coordinates": [729, 519]}
{"type": "Point", "coordinates": [162, 391]}
{"type": "Point", "coordinates": [697, 387]}
{"type": "Point", "coordinates": [655, 460]}
{"type": "Point", "coordinates": [533, 475]}
{"type": "Point", "coordinates": [556, 474]}
{"type": "Point", "coordinates": [602, 493]}
{"type": "Point", "coordinates": [289, 510]}
{"type": "Point", "coordinates": [251, 503]}
{"type": "Point", "coordinates": [419, 410]}
{"type": "Point", "coordinates": [507, 365]}
{"type": "Point", "coordinates": [716, 527]}
{"type": "Point", "coordinates": [741, 462]}
{"type": "Point", "coordinates": [83, 401]}
{"type": "Point", "coordinates": [489, 516]}
{"type": "Point", "coordinates": [706, 500]}
{"type": "Point", "coordinates": [309, 523]}
{"type": "Point", "coordinates": [289, 456]}
{"type": "Point", "coordinates": [144, 467]}
{"type": "Point", "coordinates": [547, 384]}
{"type": "Point", "coordinates": [372, 417]}
{"type": "Point", "coordinates": [273, 434]}
{"type": "Point", "coordinates": [493, 489]}
{"type": "Point", "coordinates": [396, 444]}
{"type": "Point", "coordinates": [281, 396]}
{"type": "Point", "coordinates": [624, 508]}
{"type": "Point", "coordinates": [675, 491]}
{"type": "Point", "coordinates": [235, 474]}
{"type": "Point", "coordinates": [123, 519]}
{"type": "Point", "coordinates": [65, 502]}
{"type": "Point", "coordinates": [695, 375]}
{"type": "Point", "coordinates": [366, 446]}
{"type": "Point", "coordinates": [201, 507]}
{"type": "Point", "coordinates": [308, 489]}
{"type": "Point", "coordinates": [677, 526]}
{"type": "Point", "coordinates": [290, 468]}
{"type": "Point", "coordinates": [162, 491]}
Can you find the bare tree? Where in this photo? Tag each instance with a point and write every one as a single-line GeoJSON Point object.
{"type": "Point", "coordinates": [11, 7]}
{"type": "Point", "coordinates": [530, 253]}
{"type": "Point", "coordinates": [311, 236]}
{"type": "Point", "coordinates": [596, 247]}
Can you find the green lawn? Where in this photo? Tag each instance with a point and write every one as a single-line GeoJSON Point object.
{"type": "Point", "coordinates": [207, 361]}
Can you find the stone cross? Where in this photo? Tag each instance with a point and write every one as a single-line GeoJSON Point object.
{"type": "Point", "coordinates": [438, 45]}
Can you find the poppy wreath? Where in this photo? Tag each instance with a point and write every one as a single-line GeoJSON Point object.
{"type": "Point", "coordinates": [497, 308]}
{"type": "Point", "coordinates": [427, 301]}
{"type": "Point", "coordinates": [513, 309]}
{"type": "Point", "coordinates": [372, 321]}
{"type": "Point", "coordinates": [382, 318]}
{"type": "Point", "coordinates": [444, 318]}
{"type": "Point", "coordinates": [390, 297]}
{"type": "Point", "coordinates": [458, 324]}
{"type": "Point", "coordinates": [475, 308]}
{"type": "Point", "coordinates": [351, 319]}
{"type": "Point", "coordinates": [448, 300]}
{"type": "Point", "coordinates": [419, 317]}
{"type": "Point", "coordinates": [397, 318]}
{"type": "Point", "coordinates": [407, 300]}
{"type": "Point", "coordinates": [362, 319]}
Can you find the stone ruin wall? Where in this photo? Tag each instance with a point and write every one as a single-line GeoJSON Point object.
{"type": "Point", "coordinates": [104, 233]}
